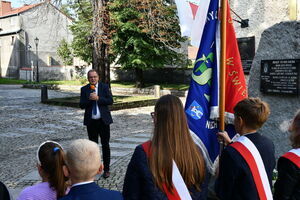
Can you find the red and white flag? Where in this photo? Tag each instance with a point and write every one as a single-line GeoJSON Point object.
{"type": "Point", "coordinates": [236, 89]}
{"type": "Point", "coordinates": [192, 17]}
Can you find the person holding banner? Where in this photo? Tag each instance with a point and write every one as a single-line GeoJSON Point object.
{"type": "Point", "coordinates": [246, 165]}
{"type": "Point", "coordinates": [287, 186]}
{"type": "Point", "coordinates": [170, 165]}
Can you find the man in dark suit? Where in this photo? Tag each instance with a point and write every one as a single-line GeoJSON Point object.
{"type": "Point", "coordinates": [95, 98]}
{"type": "Point", "coordinates": [236, 178]}
{"type": "Point", "coordinates": [83, 162]}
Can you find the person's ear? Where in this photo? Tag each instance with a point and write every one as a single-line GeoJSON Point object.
{"type": "Point", "coordinates": [100, 169]}
{"type": "Point", "coordinates": [66, 171]}
{"type": "Point", "coordinates": [240, 121]}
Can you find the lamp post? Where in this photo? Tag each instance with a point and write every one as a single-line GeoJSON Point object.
{"type": "Point", "coordinates": [28, 54]}
{"type": "Point", "coordinates": [29, 61]}
{"type": "Point", "coordinates": [36, 41]}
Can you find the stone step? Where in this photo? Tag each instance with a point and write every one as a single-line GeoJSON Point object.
{"type": "Point", "coordinates": [11, 134]}
{"type": "Point", "coordinates": [114, 153]}
{"type": "Point", "coordinates": [144, 131]}
{"type": "Point", "coordinates": [73, 122]}
{"type": "Point", "coordinates": [132, 140]}
{"type": "Point", "coordinates": [36, 131]}
{"type": "Point", "coordinates": [143, 135]}
{"type": "Point", "coordinates": [122, 145]}
{"type": "Point", "coordinates": [33, 175]}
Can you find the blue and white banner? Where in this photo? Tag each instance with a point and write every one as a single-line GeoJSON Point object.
{"type": "Point", "coordinates": [202, 99]}
{"type": "Point", "coordinates": [201, 107]}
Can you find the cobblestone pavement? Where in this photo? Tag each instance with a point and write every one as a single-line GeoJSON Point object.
{"type": "Point", "coordinates": [25, 123]}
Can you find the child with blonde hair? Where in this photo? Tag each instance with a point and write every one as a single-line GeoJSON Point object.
{"type": "Point", "coordinates": [83, 163]}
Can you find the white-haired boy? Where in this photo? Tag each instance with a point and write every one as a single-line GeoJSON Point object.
{"type": "Point", "coordinates": [83, 163]}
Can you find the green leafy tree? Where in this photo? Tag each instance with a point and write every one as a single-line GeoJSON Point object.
{"type": "Point", "coordinates": [91, 35]}
{"type": "Point", "coordinates": [65, 53]}
{"type": "Point", "coordinates": [145, 34]}
{"type": "Point", "coordinates": [82, 29]}
{"type": "Point", "coordinates": [65, 8]}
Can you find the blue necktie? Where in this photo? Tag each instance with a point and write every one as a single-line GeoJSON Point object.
{"type": "Point", "coordinates": [94, 104]}
{"type": "Point", "coordinates": [94, 108]}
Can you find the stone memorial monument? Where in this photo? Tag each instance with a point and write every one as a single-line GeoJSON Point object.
{"type": "Point", "coordinates": [274, 77]}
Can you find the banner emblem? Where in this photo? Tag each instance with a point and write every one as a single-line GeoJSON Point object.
{"type": "Point", "coordinates": [195, 110]}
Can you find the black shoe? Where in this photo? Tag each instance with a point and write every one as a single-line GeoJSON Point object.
{"type": "Point", "coordinates": [105, 175]}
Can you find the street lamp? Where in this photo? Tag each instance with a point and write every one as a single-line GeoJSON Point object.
{"type": "Point", "coordinates": [28, 54]}
{"type": "Point", "coordinates": [29, 61]}
{"type": "Point", "coordinates": [36, 41]}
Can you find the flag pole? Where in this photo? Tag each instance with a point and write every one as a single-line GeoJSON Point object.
{"type": "Point", "coordinates": [222, 68]}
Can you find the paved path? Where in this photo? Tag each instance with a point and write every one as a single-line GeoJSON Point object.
{"type": "Point", "coordinates": [25, 123]}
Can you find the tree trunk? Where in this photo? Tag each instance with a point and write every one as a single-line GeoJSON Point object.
{"type": "Point", "coordinates": [139, 78]}
{"type": "Point", "coordinates": [101, 40]}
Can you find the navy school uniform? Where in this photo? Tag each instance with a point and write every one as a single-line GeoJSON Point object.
{"type": "Point", "coordinates": [235, 181]}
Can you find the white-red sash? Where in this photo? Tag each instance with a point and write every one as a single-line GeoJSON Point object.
{"type": "Point", "coordinates": [253, 158]}
{"type": "Point", "coordinates": [179, 191]}
{"type": "Point", "coordinates": [294, 156]}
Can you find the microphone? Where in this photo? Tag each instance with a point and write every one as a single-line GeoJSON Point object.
{"type": "Point", "coordinates": [93, 88]}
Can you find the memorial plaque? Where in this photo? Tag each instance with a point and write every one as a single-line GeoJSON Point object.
{"type": "Point", "coordinates": [247, 52]}
{"type": "Point", "coordinates": [280, 76]}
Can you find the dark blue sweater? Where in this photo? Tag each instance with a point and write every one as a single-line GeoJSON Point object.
{"type": "Point", "coordinates": [139, 183]}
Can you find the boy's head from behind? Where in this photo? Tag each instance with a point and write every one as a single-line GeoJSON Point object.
{"type": "Point", "coordinates": [83, 160]}
{"type": "Point", "coordinates": [253, 111]}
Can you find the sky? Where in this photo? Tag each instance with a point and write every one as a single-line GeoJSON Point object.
{"type": "Point", "coordinates": [20, 3]}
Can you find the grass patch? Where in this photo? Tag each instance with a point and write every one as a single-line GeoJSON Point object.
{"type": "Point", "coordinates": [122, 99]}
{"type": "Point", "coordinates": [120, 102]}
{"type": "Point", "coordinates": [123, 84]}
{"type": "Point", "coordinates": [72, 82]}
{"type": "Point", "coordinates": [175, 86]}
{"type": "Point", "coordinates": [12, 81]}
{"type": "Point", "coordinates": [15, 81]}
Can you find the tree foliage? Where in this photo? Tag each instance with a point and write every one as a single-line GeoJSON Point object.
{"type": "Point", "coordinates": [65, 53]}
{"type": "Point", "coordinates": [65, 8]}
{"type": "Point", "coordinates": [142, 34]}
{"type": "Point", "coordinates": [145, 34]}
{"type": "Point", "coordinates": [81, 30]}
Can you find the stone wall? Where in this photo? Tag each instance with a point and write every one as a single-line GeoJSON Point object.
{"type": "Point", "coordinates": [262, 14]}
{"type": "Point", "coordinates": [280, 41]}
{"type": "Point", "coordinates": [17, 46]}
{"type": "Point", "coordinates": [50, 26]}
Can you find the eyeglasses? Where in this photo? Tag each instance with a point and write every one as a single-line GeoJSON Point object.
{"type": "Point", "coordinates": [92, 77]}
{"type": "Point", "coordinates": [152, 114]}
